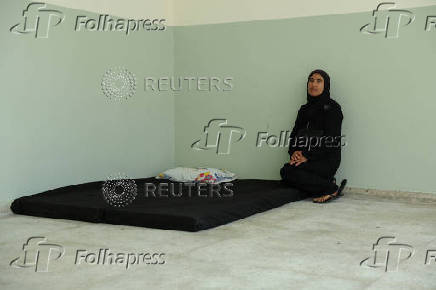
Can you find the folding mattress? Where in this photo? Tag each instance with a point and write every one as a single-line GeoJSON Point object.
{"type": "Point", "coordinates": [161, 204]}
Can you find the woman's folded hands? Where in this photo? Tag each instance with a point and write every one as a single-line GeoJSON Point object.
{"type": "Point", "coordinates": [297, 158]}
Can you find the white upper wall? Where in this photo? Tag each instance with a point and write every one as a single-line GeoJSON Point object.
{"type": "Point", "coordinates": [193, 12]}
{"type": "Point", "coordinates": [135, 9]}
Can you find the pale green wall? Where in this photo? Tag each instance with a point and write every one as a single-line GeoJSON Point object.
{"type": "Point", "coordinates": [386, 88]}
{"type": "Point", "coordinates": [57, 128]}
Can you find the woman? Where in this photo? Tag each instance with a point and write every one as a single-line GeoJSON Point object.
{"type": "Point", "coordinates": [315, 158]}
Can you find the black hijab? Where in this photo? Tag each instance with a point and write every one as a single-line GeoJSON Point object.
{"type": "Point", "coordinates": [325, 95]}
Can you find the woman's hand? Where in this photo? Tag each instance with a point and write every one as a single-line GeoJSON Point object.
{"type": "Point", "coordinates": [297, 158]}
{"type": "Point", "coordinates": [294, 157]}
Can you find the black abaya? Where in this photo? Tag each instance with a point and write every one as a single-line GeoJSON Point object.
{"type": "Point", "coordinates": [321, 113]}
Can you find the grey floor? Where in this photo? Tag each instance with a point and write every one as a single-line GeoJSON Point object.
{"type": "Point", "coordinates": [300, 245]}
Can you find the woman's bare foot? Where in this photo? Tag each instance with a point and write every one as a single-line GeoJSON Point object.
{"type": "Point", "coordinates": [325, 198]}
{"type": "Point", "coordinates": [334, 195]}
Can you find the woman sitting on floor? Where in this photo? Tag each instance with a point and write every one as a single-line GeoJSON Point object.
{"type": "Point", "coordinates": [315, 147]}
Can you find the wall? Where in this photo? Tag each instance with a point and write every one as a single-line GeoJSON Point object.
{"type": "Point", "coordinates": [57, 127]}
{"type": "Point", "coordinates": [385, 87]}
{"type": "Point", "coordinates": [199, 12]}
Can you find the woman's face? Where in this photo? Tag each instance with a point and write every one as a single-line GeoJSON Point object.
{"type": "Point", "coordinates": [315, 86]}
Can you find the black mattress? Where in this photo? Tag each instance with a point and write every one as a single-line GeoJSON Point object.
{"type": "Point", "coordinates": [193, 209]}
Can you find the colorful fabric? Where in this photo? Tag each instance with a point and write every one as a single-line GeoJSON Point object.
{"type": "Point", "coordinates": [203, 175]}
